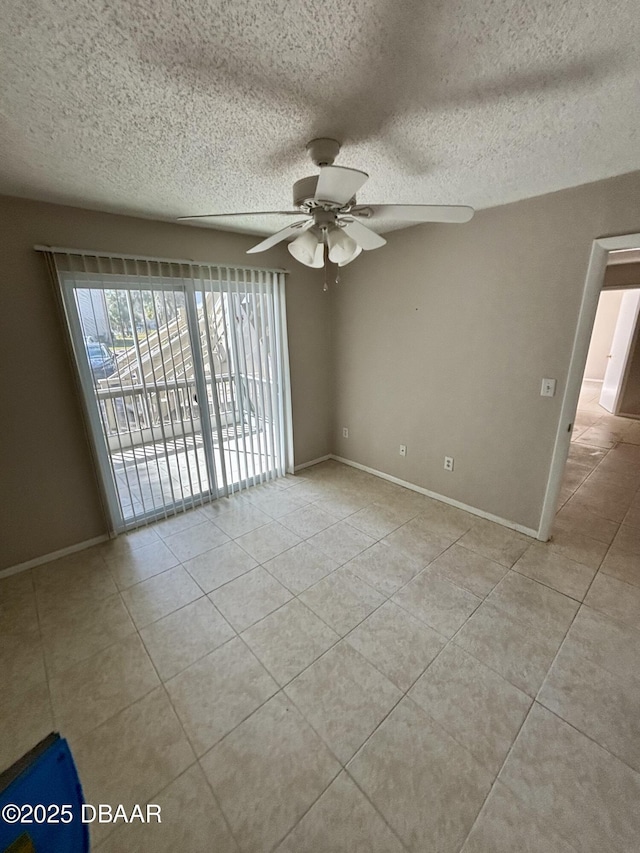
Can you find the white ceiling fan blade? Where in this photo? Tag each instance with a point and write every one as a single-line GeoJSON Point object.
{"type": "Point", "coordinates": [246, 213]}
{"type": "Point", "coordinates": [415, 212]}
{"type": "Point", "coordinates": [339, 184]}
{"type": "Point", "coordinates": [363, 236]}
{"type": "Point", "coordinates": [281, 235]}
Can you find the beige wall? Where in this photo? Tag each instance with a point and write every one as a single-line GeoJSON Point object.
{"type": "Point", "coordinates": [602, 334]}
{"type": "Point", "coordinates": [630, 403]}
{"type": "Point", "coordinates": [48, 492]}
{"type": "Point", "coordinates": [442, 338]}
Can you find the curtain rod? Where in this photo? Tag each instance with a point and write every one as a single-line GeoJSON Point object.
{"type": "Point", "coordinates": [189, 261]}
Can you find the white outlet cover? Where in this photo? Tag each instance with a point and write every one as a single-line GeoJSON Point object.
{"type": "Point", "coordinates": [448, 463]}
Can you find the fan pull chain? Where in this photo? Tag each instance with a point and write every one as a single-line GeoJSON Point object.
{"type": "Point", "coordinates": [326, 284]}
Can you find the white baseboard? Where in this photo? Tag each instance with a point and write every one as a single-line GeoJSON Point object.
{"type": "Point", "coordinates": [472, 509]}
{"type": "Point", "coordinates": [89, 543]}
{"type": "Point", "coordinates": [313, 462]}
{"type": "Point", "coordinates": [55, 555]}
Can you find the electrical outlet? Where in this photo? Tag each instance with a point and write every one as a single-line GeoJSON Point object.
{"type": "Point", "coordinates": [403, 450]}
{"type": "Point", "coordinates": [448, 463]}
{"type": "Point", "coordinates": [345, 432]}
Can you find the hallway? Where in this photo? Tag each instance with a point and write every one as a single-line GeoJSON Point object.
{"type": "Point", "coordinates": [599, 497]}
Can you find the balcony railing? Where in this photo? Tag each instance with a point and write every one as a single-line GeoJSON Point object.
{"type": "Point", "coordinates": [137, 414]}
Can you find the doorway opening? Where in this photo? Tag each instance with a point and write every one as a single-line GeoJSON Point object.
{"type": "Point", "coordinates": [595, 472]}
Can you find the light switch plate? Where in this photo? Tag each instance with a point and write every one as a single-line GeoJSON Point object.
{"type": "Point", "coordinates": [548, 388]}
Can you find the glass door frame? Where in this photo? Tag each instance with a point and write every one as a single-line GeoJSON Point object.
{"type": "Point", "coordinates": [72, 281]}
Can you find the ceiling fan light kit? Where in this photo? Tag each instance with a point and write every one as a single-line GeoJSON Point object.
{"type": "Point", "coordinates": [309, 247]}
{"type": "Point", "coordinates": [334, 218]}
{"type": "Point", "coordinates": [305, 248]}
{"type": "Point", "coordinates": [342, 248]}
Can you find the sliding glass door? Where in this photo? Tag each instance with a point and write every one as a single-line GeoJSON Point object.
{"type": "Point", "coordinates": [183, 384]}
{"type": "Point", "coordinates": [238, 335]}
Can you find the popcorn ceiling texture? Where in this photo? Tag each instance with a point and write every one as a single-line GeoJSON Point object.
{"type": "Point", "coordinates": [164, 108]}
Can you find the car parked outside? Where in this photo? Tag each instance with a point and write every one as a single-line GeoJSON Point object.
{"type": "Point", "coordinates": [101, 360]}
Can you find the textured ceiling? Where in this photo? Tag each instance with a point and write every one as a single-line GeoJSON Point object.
{"type": "Point", "coordinates": [163, 108]}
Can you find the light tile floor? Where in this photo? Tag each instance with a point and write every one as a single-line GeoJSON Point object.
{"type": "Point", "coordinates": [331, 663]}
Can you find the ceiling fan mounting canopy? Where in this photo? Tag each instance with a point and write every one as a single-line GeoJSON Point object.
{"type": "Point", "coordinates": [328, 201]}
{"type": "Point", "coordinates": [323, 151]}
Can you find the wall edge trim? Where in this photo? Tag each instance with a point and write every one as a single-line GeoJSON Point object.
{"type": "Point", "coordinates": [54, 555]}
{"type": "Point", "coordinates": [317, 461]}
{"type": "Point", "coordinates": [528, 531]}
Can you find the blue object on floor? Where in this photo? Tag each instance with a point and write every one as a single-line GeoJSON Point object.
{"type": "Point", "coordinates": [45, 777]}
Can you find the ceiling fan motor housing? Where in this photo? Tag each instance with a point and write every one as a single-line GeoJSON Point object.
{"type": "Point", "coordinates": [304, 196]}
{"type": "Point", "coordinates": [304, 191]}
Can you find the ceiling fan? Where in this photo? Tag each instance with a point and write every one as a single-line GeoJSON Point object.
{"type": "Point", "coordinates": [333, 218]}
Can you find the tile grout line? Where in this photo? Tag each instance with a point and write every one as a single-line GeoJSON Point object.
{"type": "Point", "coordinates": [437, 725]}
{"type": "Point", "coordinates": [340, 639]}
{"type": "Point", "coordinates": [506, 612]}
{"type": "Point", "coordinates": [307, 810]}
{"type": "Point", "coordinates": [45, 665]}
{"type": "Point", "coordinates": [537, 700]}
{"type": "Point", "coordinates": [405, 693]}
{"type": "Point", "coordinates": [566, 634]}
{"type": "Point", "coordinates": [497, 779]}
{"type": "Point", "coordinates": [184, 732]}
{"type": "Point", "coordinates": [343, 766]}
{"type": "Point", "coordinates": [588, 737]}
{"type": "Point", "coordinates": [526, 717]}
{"type": "Point", "coordinates": [374, 806]}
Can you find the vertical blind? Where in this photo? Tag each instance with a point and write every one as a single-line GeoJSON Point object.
{"type": "Point", "coordinates": [184, 374]}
